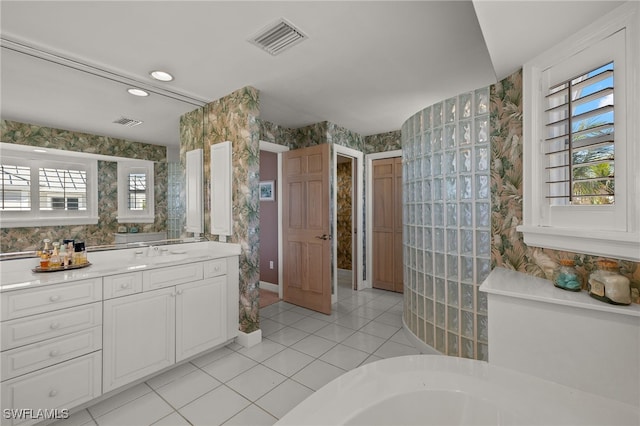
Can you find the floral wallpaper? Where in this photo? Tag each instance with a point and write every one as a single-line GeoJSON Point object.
{"type": "Point", "coordinates": [508, 247]}
{"type": "Point", "coordinates": [234, 118]}
{"type": "Point", "coordinates": [383, 142]}
{"type": "Point", "coordinates": [30, 238]}
{"type": "Point", "coordinates": [344, 185]}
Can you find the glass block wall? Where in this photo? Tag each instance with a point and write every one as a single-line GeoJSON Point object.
{"type": "Point", "coordinates": [447, 223]}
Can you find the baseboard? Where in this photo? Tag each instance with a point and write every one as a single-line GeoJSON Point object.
{"type": "Point", "coordinates": [249, 339]}
{"type": "Point", "coordinates": [417, 343]}
{"type": "Point", "coordinates": [268, 286]}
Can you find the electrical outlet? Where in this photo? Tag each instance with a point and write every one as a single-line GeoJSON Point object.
{"type": "Point", "coordinates": [271, 264]}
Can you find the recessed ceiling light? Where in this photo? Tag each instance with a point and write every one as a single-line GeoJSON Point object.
{"type": "Point", "coordinates": [161, 75]}
{"type": "Point", "coordinates": [137, 92]}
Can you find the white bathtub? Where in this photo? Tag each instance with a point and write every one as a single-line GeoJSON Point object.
{"type": "Point", "coordinates": [441, 390]}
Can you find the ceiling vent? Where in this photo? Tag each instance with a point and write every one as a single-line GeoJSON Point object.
{"type": "Point", "coordinates": [278, 37]}
{"type": "Point", "coordinates": [127, 122]}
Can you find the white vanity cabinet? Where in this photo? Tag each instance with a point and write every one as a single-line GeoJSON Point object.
{"type": "Point", "coordinates": [180, 312]}
{"type": "Point", "coordinates": [68, 338]}
{"type": "Point", "coordinates": [51, 347]}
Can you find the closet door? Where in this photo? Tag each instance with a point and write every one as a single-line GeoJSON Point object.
{"type": "Point", "coordinates": [387, 224]}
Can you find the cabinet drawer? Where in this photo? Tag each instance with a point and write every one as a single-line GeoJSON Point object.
{"type": "Point", "coordinates": [214, 268]}
{"type": "Point", "coordinates": [171, 275]}
{"type": "Point", "coordinates": [20, 303]}
{"type": "Point", "coordinates": [26, 359]}
{"type": "Point", "coordinates": [36, 328]}
{"type": "Point", "coordinates": [64, 385]}
{"type": "Point", "coordinates": [122, 285]}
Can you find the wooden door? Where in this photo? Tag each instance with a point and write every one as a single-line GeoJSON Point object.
{"type": "Point", "coordinates": [387, 224]}
{"type": "Point", "coordinates": [305, 227]}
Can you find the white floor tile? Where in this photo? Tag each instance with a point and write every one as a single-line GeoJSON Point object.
{"type": "Point", "coordinates": [324, 317]}
{"type": "Point", "coordinates": [211, 356]}
{"type": "Point", "coordinates": [77, 418]}
{"type": "Point", "coordinates": [234, 346]}
{"type": "Point", "coordinates": [317, 374]}
{"type": "Point", "coordinates": [351, 321]}
{"type": "Point", "coordinates": [185, 389]}
{"type": "Point", "coordinates": [288, 362]}
{"type": "Point", "coordinates": [309, 324]}
{"type": "Point", "coordinates": [344, 357]}
{"type": "Point", "coordinates": [313, 345]}
{"type": "Point", "coordinates": [391, 318]}
{"type": "Point", "coordinates": [171, 375]}
{"type": "Point", "coordinates": [301, 310]}
{"type": "Point", "coordinates": [263, 350]}
{"type": "Point", "coordinates": [283, 398]}
{"type": "Point", "coordinates": [287, 317]}
{"type": "Point", "coordinates": [173, 419]}
{"type": "Point", "coordinates": [379, 329]}
{"type": "Point", "coordinates": [370, 359]}
{"type": "Point", "coordinates": [391, 349]}
{"type": "Point", "coordinates": [228, 367]}
{"type": "Point", "coordinates": [145, 410]}
{"type": "Point", "coordinates": [363, 342]}
{"type": "Point", "coordinates": [334, 332]}
{"type": "Point", "coordinates": [273, 309]}
{"type": "Point", "coordinates": [368, 312]}
{"type": "Point", "coordinates": [118, 400]}
{"type": "Point", "coordinates": [288, 336]}
{"type": "Point", "coordinates": [215, 407]}
{"type": "Point", "coordinates": [253, 416]}
{"type": "Point", "coordinates": [255, 382]}
{"type": "Point", "coordinates": [269, 326]}
{"type": "Point", "coordinates": [401, 337]}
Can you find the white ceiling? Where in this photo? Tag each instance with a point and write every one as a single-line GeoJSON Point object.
{"type": "Point", "coordinates": [366, 65]}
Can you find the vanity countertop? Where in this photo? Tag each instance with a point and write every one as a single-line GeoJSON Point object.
{"type": "Point", "coordinates": [18, 274]}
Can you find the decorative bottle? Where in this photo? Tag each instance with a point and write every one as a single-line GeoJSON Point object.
{"type": "Point", "coordinates": [566, 277]}
{"type": "Point", "coordinates": [608, 285]}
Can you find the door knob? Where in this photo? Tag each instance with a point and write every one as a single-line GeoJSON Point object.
{"type": "Point", "coordinates": [323, 237]}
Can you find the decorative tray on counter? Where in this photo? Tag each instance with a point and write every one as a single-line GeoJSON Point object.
{"type": "Point", "coordinates": [61, 268]}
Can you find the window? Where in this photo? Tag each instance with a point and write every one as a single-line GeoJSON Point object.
{"type": "Point", "coordinates": [135, 192]}
{"type": "Point", "coordinates": [47, 189]}
{"type": "Point", "coordinates": [581, 143]}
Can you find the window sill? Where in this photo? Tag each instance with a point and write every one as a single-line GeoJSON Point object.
{"type": "Point", "coordinates": [618, 245]}
{"type": "Point", "coordinates": [136, 219]}
{"type": "Point", "coordinates": [50, 221]}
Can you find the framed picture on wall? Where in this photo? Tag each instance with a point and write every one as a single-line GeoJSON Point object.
{"type": "Point", "coordinates": [267, 191]}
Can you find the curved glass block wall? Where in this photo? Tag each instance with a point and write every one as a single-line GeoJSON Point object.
{"type": "Point", "coordinates": [447, 223]}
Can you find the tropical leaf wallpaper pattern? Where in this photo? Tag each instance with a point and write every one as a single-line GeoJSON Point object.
{"type": "Point", "coordinates": [508, 247]}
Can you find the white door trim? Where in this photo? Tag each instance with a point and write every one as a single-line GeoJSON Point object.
{"type": "Point", "coordinates": [359, 223]}
{"type": "Point", "coordinates": [278, 149]}
{"type": "Point", "coordinates": [369, 160]}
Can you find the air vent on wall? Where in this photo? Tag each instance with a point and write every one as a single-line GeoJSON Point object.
{"type": "Point", "coordinates": [129, 122]}
{"type": "Point", "coordinates": [278, 37]}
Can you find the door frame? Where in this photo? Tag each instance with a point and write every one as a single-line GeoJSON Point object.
{"type": "Point", "coordinates": [369, 160]}
{"type": "Point", "coordinates": [359, 220]}
{"type": "Point", "coordinates": [278, 149]}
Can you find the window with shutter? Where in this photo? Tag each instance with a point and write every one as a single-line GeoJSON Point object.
{"type": "Point", "coordinates": [581, 141]}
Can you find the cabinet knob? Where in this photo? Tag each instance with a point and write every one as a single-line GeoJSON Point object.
{"type": "Point", "coordinates": [124, 286]}
{"type": "Point", "coordinates": [54, 298]}
{"type": "Point", "coordinates": [54, 352]}
{"type": "Point", "coordinates": [53, 393]}
{"type": "Point", "coordinates": [216, 268]}
{"type": "Point", "coordinates": [54, 325]}
{"type": "Point", "coordinates": [179, 292]}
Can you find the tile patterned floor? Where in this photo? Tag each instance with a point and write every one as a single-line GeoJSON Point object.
{"type": "Point", "coordinates": [300, 352]}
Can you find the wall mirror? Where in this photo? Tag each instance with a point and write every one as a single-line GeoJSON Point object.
{"type": "Point", "coordinates": [152, 201]}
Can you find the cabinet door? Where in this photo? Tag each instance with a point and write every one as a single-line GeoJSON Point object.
{"type": "Point", "coordinates": [139, 336]}
{"type": "Point", "coordinates": [201, 314]}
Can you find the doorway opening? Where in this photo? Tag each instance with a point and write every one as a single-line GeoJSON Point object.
{"type": "Point", "coordinates": [348, 221]}
{"type": "Point", "coordinates": [345, 211]}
